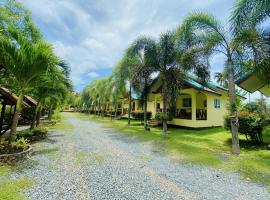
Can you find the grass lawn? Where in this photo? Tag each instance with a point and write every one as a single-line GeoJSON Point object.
{"type": "Point", "coordinates": [10, 189]}
{"type": "Point", "coordinates": [210, 147]}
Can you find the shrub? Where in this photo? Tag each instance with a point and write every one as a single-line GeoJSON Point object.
{"type": "Point", "coordinates": [16, 146]}
{"type": "Point", "coordinates": [20, 144]}
{"type": "Point", "coordinates": [140, 115]}
{"type": "Point", "coordinates": [250, 124]}
{"type": "Point", "coordinates": [160, 116]}
{"type": "Point", "coordinates": [33, 134]}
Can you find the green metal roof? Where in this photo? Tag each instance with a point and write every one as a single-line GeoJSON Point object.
{"type": "Point", "coordinates": [200, 86]}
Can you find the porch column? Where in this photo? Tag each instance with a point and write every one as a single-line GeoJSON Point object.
{"type": "Point", "coordinates": [193, 102]}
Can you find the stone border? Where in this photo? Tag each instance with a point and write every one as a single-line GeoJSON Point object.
{"type": "Point", "coordinates": [22, 154]}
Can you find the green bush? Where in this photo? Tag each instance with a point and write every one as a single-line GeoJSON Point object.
{"type": "Point", "coordinates": [140, 115]}
{"type": "Point", "coordinates": [33, 134]}
{"type": "Point", "coordinates": [250, 124]}
{"type": "Point", "coordinates": [20, 144]}
{"type": "Point", "coordinates": [13, 147]}
{"type": "Point", "coordinates": [160, 116]}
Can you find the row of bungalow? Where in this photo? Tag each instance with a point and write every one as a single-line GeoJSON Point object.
{"type": "Point", "coordinates": [198, 105]}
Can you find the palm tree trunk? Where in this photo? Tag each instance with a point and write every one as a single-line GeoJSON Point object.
{"type": "Point", "coordinates": [129, 104]}
{"type": "Point", "coordinates": [50, 113]}
{"type": "Point", "coordinates": [15, 120]}
{"type": "Point", "coordinates": [38, 116]}
{"type": "Point", "coordinates": [145, 111]}
{"type": "Point", "coordinates": [35, 115]}
{"type": "Point", "coordinates": [234, 118]}
{"type": "Point", "coordinates": [165, 128]}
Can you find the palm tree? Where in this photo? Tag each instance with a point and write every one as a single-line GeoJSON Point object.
{"type": "Point", "coordinates": [25, 61]}
{"type": "Point", "coordinates": [47, 86]}
{"type": "Point", "coordinates": [143, 53]}
{"type": "Point", "coordinates": [118, 90]}
{"type": "Point", "coordinates": [221, 79]}
{"type": "Point", "coordinates": [173, 67]}
{"type": "Point", "coordinates": [123, 73]}
{"type": "Point", "coordinates": [168, 69]}
{"type": "Point", "coordinates": [249, 14]}
{"type": "Point", "coordinates": [253, 14]}
{"type": "Point", "coordinates": [204, 32]}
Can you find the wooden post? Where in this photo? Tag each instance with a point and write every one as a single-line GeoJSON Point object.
{"type": "Point", "coordinates": [3, 111]}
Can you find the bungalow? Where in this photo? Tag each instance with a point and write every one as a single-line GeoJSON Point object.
{"type": "Point", "coordinates": [135, 104]}
{"type": "Point", "coordinates": [197, 106]}
{"type": "Point", "coordinates": [251, 83]}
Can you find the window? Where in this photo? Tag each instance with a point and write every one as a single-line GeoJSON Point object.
{"type": "Point", "coordinates": [187, 102]}
{"type": "Point", "coordinates": [217, 103]}
{"type": "Point", "coordinates": [158, 105]}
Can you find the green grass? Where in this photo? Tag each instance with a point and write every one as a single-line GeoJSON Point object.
{"type": "Point", "coordinates": [62, 127]}
{"type": "Point", "coordinates": [10, 189]}
{"type": "Point", "coordinates": [208, 147]}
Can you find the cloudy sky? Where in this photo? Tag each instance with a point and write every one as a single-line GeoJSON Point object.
{"type": "Point", "coordinates": [91, 35]}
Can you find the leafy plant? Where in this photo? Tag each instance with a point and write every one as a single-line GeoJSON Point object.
{"type": "Point", "coordinates": [250, 124]}
{"type": "Point", "coordinates": [20, 144]}
{"type": "Point", "coordinates": [161, 116]}
{"type": "Point", "coordinates": [33, 134]}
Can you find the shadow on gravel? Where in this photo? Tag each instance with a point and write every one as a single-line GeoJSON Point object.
{"type": "Point", "coordinates": [56, 135]}
{"type": "Point", "coordinates": [50, 140]}
{"type": "Point", "coordinates": [25, 165]}
{"type": "Point", "coordinates": [47, 151]}
{"type": "Point", "coordinates": [124, 138]}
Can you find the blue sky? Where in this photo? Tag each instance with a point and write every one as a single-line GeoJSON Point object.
{"type": "Point", "coordinates": [91, 35]}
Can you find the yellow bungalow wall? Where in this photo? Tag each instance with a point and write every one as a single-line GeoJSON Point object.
{"type": "Point", "coordinates": [215, 116]}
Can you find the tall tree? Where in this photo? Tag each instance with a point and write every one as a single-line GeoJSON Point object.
{"type": "Point", "coordinates": [25, 61]}
{"type": "Point", "coordinates": [144, 54]}
{"type": "Point", "coordinates": [203, 31]}
{"type": "Point", "coordinates": [123, 74]}
{"type": "Point", "coordinates": [254, 14]}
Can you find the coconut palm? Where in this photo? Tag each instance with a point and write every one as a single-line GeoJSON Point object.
{"type": "Point", "coordinates": [205, 33]}
{"type": "Point", "coordinates": [25, 61]}
{"type": "Point", "coordinates": [143, 53]}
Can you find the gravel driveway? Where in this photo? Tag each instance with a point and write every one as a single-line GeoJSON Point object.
{"type": "Point", "coordinates": [90, 161]}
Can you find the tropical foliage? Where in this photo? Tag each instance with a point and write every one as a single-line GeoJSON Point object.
{"type": "Point", "coordinates": [28, 64]}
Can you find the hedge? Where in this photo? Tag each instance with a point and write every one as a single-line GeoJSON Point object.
{"type": "Point", "coordinates": [250, 124]}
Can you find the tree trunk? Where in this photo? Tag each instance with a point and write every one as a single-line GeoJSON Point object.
{"type": "Point", "coordinates": [234, 118]}
{"type": "Point", "coordinates": [129, 104]}
{"type": "Point", "coordinates": [164, 110]}
{"type": "Point", "coordinates": [15, 120]}
{"type": "Point", "coordinates": [165, 128]}
{"type": "Point", "coordinates": [145, 111]}
{"type": "Point", "coordinates": [115, 112]}
{"type": "Point", "coordinates": [35, 115]}
{"type": "Point", "coordinates": [50, 113]}
{"type": "Point", "coordinates": [38, 115]}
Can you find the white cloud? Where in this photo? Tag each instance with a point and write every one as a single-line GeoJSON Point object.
{"type": "Point", "coordinates": [92, 35]}
{"type": "Point", "coordinates": [93, 75]}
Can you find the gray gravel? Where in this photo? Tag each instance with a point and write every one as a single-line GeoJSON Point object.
{"type": "Point", "coordinates": [94, 162]}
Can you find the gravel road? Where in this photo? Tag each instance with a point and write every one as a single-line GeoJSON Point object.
{"type": "Point", "coordinates": [90, 161]}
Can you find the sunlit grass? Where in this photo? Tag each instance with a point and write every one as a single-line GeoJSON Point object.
{"type": "Point", "coordinates": [10, 189]}
{"type": "Point", "coordinates": [209, 147]}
